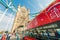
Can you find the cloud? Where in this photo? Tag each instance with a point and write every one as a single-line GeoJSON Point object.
{"type": "Point", "coordinates": [7, 22]}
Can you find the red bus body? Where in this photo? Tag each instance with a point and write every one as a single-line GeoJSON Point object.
{"type": "Point", "coordinates": [49, 15]}
{"type": "Point", "coordinates": [28, 38]}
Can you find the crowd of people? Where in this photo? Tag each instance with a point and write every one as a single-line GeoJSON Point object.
{"type": "Point", "coordinates": [11, 36]}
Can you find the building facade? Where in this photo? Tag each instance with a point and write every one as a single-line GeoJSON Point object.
{"type": "Point", "coordinates": [21, 18]}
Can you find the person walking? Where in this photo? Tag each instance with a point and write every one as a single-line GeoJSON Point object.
{"type": "Point", "coordinates": [17, 36]}
{"type": "Point", "coordinates": [3, 37]}
{"type": "Point", "coordinates": [8, 37]}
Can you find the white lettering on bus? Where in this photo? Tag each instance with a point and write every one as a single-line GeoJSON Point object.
{"type": "Point", "coordinates": [55, 13]}
{"type": "Point", "coordinates": [52, 15]}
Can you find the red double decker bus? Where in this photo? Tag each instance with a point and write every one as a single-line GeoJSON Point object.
{"type": "Point", "coordinates": [47, 20]}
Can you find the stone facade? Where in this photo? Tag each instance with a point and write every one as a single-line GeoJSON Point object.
{"type": "Point", "coordinates": [22, 17]}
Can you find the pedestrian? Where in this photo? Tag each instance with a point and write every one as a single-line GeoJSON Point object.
{"type": "Point", "coordinates": [17, 36]}
{"type": "Point", "coordinates": [8, 37]}
{"type": "Point", "coordinates": [4, 36]}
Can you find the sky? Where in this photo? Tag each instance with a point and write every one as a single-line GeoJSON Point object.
{"type": "Point", "coordinates": [7, 15]}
